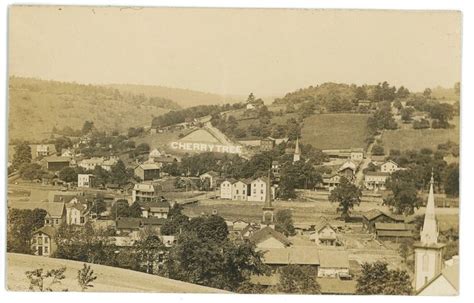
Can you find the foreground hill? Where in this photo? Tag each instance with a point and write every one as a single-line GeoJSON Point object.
{"type": "Point", "coordinates": [109, 279]}
{"type": "Point", "coordinates": [36, 106]}
{"type": "Point", "coordinates": [183, 97]}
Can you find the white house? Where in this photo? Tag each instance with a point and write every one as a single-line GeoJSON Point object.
{"type": "Point", "coordinates": [226, 189]}
{"type": "Point", "coordinates": [325, 234]}
{"type": "Point", "coordinates": [258, 190]}
{"type": "Point", "coordinates": [389, 167]}
{"type": "Point", "coordinates": [144, 192]}
{"type": "Point", "coordinates": [42, 241]}
{"type": "Point", "coordinates": [267, 238]}
{"type": "Point", "coordinates": [241, 190]}
{"type": "Point", "coordinates": [330, 181]}
{"type": "Point", "coordinates": [375, 180]}
{"type": "Point", "coordinates": [85, 180]}
{"type": "Point", "coordinates": [76, 213]}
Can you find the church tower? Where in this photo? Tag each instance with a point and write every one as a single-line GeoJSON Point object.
{"type": "Point", "coordinates": [297, 154]}
{"type": "Point", "coordinates": [267, 217]}
{"type": "Point", "coordinates": [428, 252]}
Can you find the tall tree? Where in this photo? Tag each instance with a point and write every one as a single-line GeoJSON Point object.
{"type": "Point", "coordinates": [20, 226]}
{"type": "Point", "coordinates": [22, 155]}
{"type": "Point", "coordinates": [347, 195]}
{"type": "Point", "coordinates": [377, 279]}
{"type": "Point", "coordinates": [404, 197]}
{"type": "Point", "coordinates": [68, 174]}
{"type": "Point", "coordinates": [284, 222]}
{"type": "Point", "coordinates": [451, 180]}
{"type": "Point", "coordinates": [119, 174]}
{"type": "Point", "coordinates": [296, 279]}
{"type": "Point", "coordinates": [150, 250]}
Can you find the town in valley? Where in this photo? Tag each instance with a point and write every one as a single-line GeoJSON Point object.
{"type": "Point", "coordinates": [332, 188]}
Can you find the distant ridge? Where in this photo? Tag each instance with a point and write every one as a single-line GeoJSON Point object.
{"type": "Point", "coordinates": [183, 97]}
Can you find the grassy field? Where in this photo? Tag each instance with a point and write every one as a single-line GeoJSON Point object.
{"type": "Point", "coordinates": [405, 139]}
{"type": "Point", "coordinates": [303, 212]}
{"type": "Point", "coordinates": [109, 279]}
{"type": "Point", "coordinates": [335, 131]}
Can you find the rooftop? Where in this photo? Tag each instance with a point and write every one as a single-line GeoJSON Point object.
{"type": "Point", "coordinates": [292, 255]}
{"type": "Point", "coordinates": [334, 258]}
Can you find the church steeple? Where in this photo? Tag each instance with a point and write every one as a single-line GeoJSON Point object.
{"type": "Point", "coordinates": [297, 154]}
{"type": "Point", "coordinates": [428, 252]}
{"type": "Point", "coordinates": [429, 233]}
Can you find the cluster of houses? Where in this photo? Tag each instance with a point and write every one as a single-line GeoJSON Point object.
{"type": "Point", "coordinates": [74, 208]}
{"type": "Point", "coordinates": [246, 189]}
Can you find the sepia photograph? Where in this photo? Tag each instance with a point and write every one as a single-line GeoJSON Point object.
{"type": "Point", "coordinates": [233, 150]}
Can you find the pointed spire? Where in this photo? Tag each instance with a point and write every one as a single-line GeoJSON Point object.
{"type": "Point", "coordinates": [297, 147]}
{"type": "Point", "coordinates": [429, 233]}
{"type": "Point", "coordinates": [297, 154]}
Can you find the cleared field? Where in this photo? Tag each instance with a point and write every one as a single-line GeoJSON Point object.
{"type": "Point", "coordinates": [109, 279]}
{"type": "Point", "coordinates": [335, 131]}
{"type": "Point", "coordinates": [405, 139]}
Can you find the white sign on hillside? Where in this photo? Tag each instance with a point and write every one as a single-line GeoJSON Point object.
{"type": "Point", "coordinates": [206, 147]}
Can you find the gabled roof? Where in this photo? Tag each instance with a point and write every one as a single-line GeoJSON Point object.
{"type": "Point", "coordinates": [322, 224]}
{"type": "Point", "coordinates": [300, 255]}
{"type": "Point", "coordinates": [390, 161]}
{"type": "Point", "coordinates": [49, 230]}
{"type": "Point", "coordinates": [158, 203]}
{"type": "Point", "coordinates": [333, 258]}
{"type": "Point", "coordinates": [347, 165]}
{"type": "Point", "coordinates": [268, 232]}
{"type": "Point", "coordinates": [450, 273]}
{"type": "Point", "coordinates": [146, 166]}
{"type": "Point", "coordinates": [54, 209]}
{"type": "Point", "coordinates": [211, 173]}
{"type": "Point", "coordinates": [395, 233]}
{"type": "Point", "coordinates": [374, 213]}
{"type": "Point", "coordinates": [55, 158]}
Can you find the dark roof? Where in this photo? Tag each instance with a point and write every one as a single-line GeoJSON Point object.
{"type": "Point", "coordinates": [374, 213]}
{"type": "Point", "coordinates": [158, 203]}
{"type": "Point", "coordinates": [395, 233]}
{"type": "Point", "coordinates": [392, 226]}
{"type": "Point", "coordinates": [268, 232]}
{"type": "Point", "coordinates": [57, 159]}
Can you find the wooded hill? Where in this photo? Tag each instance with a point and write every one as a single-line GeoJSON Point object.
{"type": "Point", "coordinates": [36, 106]}
{"type": "Point", "coordinates": [184, 97]}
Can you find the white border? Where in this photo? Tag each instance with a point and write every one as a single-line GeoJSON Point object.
{"type": "Point", "coordinates": [467, 198]}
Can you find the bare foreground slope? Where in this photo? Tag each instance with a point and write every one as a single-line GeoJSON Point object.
{"type": "Point", "coordinates": [109, 279]}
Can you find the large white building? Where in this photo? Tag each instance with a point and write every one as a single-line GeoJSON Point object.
{"type": "Point", "coordinates": [375, 180]}
{"type": "Point", "coordinates": [258, 190]}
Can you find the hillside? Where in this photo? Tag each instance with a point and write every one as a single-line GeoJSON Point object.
{"type": "Point", "coordinates": [36, 106]}
{"type": "Point", "coordinates": [332, 131]}
{"type": "Point", "coordinates": [109, 279]}
{"type": "Point", "coordinates": [183, 97]}
{"type": "Point", "coordinates": [405, 139]}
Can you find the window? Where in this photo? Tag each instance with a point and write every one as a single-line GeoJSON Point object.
{"type": "Point", "coordinates": [261, 191]}
{"type": "Point", "coordinates": [45, 249]}
{"type": "Point", "coordinates": [237, 191]}
{"type": "Point", "coordinates": [425, 262]}
{"type": "Point", "coordinates": [45, 240]}
{"type": "Point", "coordinates": [82, 220]}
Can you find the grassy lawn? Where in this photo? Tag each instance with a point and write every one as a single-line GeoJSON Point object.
{"type": "Point", "coordinates": [334, 131]}
{"type": "Point", "coordinates": [405, 139]}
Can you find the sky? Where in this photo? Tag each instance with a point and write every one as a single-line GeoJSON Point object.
{"type": "Point", "coordinates": [235, 51]}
